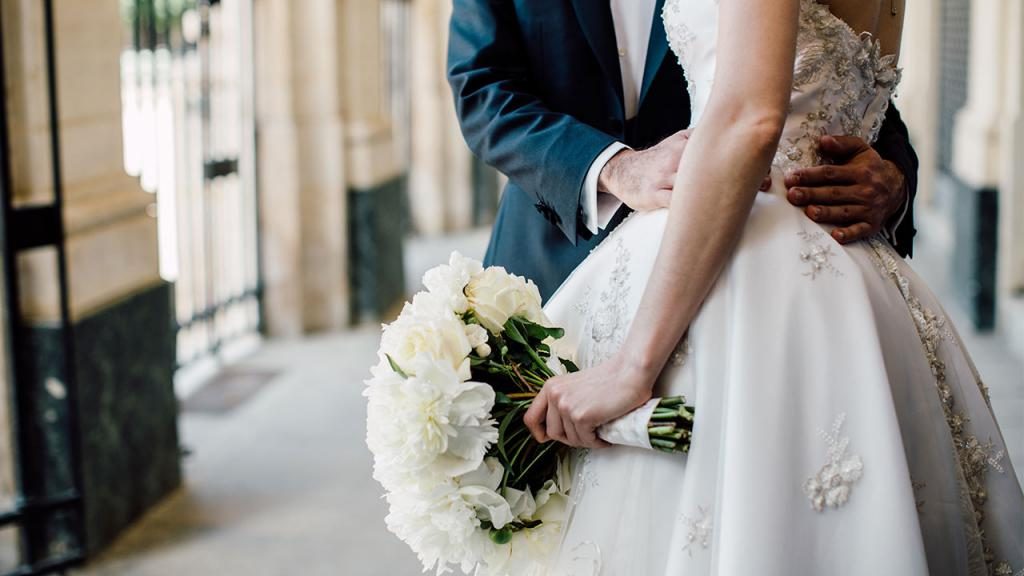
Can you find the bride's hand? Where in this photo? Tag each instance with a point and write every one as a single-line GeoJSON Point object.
{"type": "Point", "coordinates": [570, 408]}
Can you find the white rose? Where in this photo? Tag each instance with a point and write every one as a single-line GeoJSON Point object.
{"type": "Point", "coordinates": [448, 282]}
{"type": "Point", "coordinates": [495, 296]}
{"type": "Point", "coordinates": [425, 307]}
{"type": "Point", "coordinates": [443, 339]}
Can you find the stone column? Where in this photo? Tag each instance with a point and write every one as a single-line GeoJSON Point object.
{"type": "Point", "coordinates": [918, 93]}
{"type": "Point", "coordinates": [977, 142]}
{"type": "Point", "coordinates": [441, 175]}
{"type": "Point", "coordinates": [377, 178]}
{"type": "Point", "coordinates": [301, 166]}
{"type": "Point", "coordinates": [1011, 182]}
{"type": "Point", "coordinates": [121, 309]}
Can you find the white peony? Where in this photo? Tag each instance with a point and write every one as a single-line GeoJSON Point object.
{"type": "Point", "coordinates": [448, 282]}
{"type": "Point", "coordinates": [444, 525]}
{"type": "Point", "coordinates": [495, 296]}
{"type": "Point", "coordinates": [432, 424]}
{"type": "Point", "coordinates": [445, 339]}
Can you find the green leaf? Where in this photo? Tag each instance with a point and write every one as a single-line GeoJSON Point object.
{"type": "Point", "coordinates": [513, 333]}
{"type": "Point", "coordinates": [394, 366]}
{"type": "Point", "coordinates": [503, 536]}
{"type": "Point", "coordinates": [505, 423]}
{"type": "Point", "coordinates": [500, 398]}
{"type": "Point", "coordinates": [570, 365]}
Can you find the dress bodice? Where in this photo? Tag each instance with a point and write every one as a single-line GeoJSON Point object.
{"type": "Point", "coordinates": [841, 84]}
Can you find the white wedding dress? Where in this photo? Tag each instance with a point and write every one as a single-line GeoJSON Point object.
{"type": "Point", "coordinates": [841, 427]}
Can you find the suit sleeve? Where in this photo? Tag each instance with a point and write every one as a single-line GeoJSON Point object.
{"type": "Point", "coordinates": [507, 124]}
{"type": "Point", "coordinates": [893, 144]}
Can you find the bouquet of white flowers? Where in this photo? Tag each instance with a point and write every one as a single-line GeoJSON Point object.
{"type": "Point", "coordinates": [466, 483]}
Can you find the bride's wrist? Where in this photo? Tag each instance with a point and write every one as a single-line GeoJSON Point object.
{"type": "Point", "coordinates": [637, 369]}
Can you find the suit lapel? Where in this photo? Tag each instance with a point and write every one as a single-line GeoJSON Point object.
{"type": "Point", "coordinates": [595, 18]}
{"type": "Point", "coordinates": [656, 51]}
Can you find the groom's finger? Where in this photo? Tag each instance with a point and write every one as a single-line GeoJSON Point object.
{"type": "Point", "coordinates": [828, 195]}
{"type": "Point", "coordinates": [853, 233]}
{"type": "Point", "coordinates": [844, 214]}
{"type": "Point", "coordinates": [826, 175]}
{"type": "Point", "coordinates": [535, 417]}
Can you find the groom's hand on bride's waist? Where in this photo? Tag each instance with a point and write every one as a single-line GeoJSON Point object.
{"type": "Point", "coordinates": [644, 179]}
{"type": "Point", "coordinates": [859, 193]}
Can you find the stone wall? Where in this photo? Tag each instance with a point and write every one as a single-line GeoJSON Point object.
{"type": "Point", "coordinates": [121, 313]}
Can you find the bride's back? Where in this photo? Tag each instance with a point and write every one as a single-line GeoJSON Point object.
{"type": "Point", "coordinates": [883, 19]}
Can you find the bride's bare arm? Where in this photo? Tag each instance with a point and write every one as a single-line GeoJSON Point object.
{"type": "Point", "coordinates": [728, 155]}
{"type": "Point", "coordinates": [732, 146]}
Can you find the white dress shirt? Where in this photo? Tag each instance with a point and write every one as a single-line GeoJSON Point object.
{"type": "Point", "coordinates": [633, 20]}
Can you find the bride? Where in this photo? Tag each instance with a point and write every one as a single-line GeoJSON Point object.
{"type": "Point", "coordinates": [841, 427]}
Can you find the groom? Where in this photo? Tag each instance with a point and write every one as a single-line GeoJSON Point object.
{"type": "Point", "coordinates": [581, 104]}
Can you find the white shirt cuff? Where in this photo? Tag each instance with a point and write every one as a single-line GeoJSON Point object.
{"type": "Point", "coordinates": [599, 207]}
{"type": "Point", "coordinates": [890, 231]}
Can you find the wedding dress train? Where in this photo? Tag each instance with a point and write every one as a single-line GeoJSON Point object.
{"type": "Point", "coordinates": [841, 427]}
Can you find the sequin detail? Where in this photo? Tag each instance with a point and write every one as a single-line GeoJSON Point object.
{"type": "Point", "coordinates": [831, 486]}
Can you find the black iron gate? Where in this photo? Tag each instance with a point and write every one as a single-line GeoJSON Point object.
{"type": "Point", "coordinates": [187, 91]}
{"type": "Point", "coordinates": [45, 514]}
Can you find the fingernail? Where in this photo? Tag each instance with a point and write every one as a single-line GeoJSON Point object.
{"type": "Point", "coordinates": [840, 235]}
{"type": "Point", "coordinates": [815, 212]}
{"type": "Point", "coordinates": [799, 195]}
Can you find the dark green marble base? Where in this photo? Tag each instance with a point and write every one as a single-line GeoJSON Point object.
{"type": "Point", "coordinates": [128, 437]}
{"type": "Point", "coordinates": [377, 224]}
{"type": "Point", "coordinates": [975, 252]}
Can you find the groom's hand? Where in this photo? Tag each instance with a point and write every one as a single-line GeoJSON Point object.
{"type": "Point", "coordinates": [858, 193]}
{"type": "Point", "coordinates": [643, 180]}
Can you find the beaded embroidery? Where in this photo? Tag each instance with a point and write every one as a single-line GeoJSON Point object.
{"type": "Point", "coordinates": [831, 486]}
{"type": "Point", "coordinates": [975, 458]}
{"type": "Point", "coordinates": [698, 529]}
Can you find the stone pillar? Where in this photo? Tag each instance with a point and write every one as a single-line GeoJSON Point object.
{"type": "Point", "coordinates": [918, 94]}
{"type": "Point", "coordinates": [441, 194]}
{"type": "Point", "coordinates": [977, 138]}
{"type": "Point", "coordinates": [1011, 182]}
{"type": "Point", "coordinates": [376, 178]}
{"type": "Point", "coordinates": [301, 166]}
{"type": "Point", "coordinates": [121, 309]}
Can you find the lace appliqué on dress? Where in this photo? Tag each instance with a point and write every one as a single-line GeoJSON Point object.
{"type": "Point", "coordinates": [680, 37]}
{"type": "Point", "coordinates": [830, 487]}
{"type": "Point", "coordinates": [699, 530]}
{"type": "Point", "coordinates": [817, 255]}
{"type": "Point", "coordinates": [1004, 569]}
{"type": "Point", "coordinates": [586, 559]}
{"type": "Point", "coordinates": [610, 321]}
{"type": "Point", "coordinates": [845, 69]}
{"type": "Point", "coordinates": [974, 457]}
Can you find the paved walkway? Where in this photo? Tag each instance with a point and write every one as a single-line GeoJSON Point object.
{"type": "Point", "coordinates": [281, 486]}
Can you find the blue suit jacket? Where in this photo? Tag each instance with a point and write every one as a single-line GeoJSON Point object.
{"type": "Point", "coordinates": [538, 92]}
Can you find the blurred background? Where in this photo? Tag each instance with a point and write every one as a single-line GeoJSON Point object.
{"type": "Point", "coordinates": [210, 205]}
